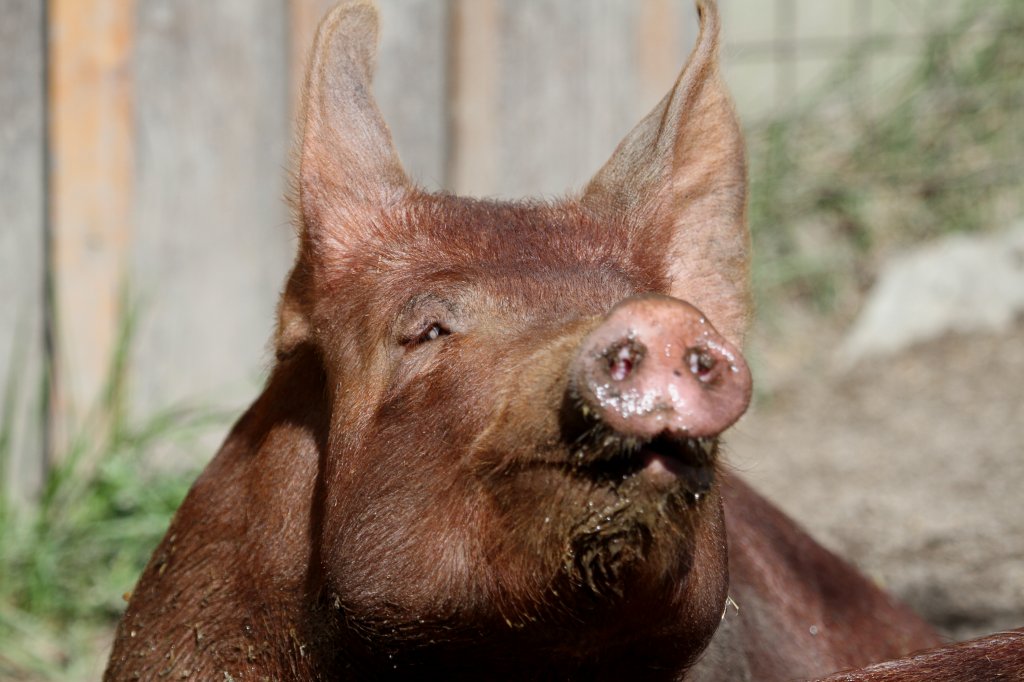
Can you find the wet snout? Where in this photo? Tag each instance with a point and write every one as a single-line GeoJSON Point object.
{"type": "Point", "coordinates": [656, 366]}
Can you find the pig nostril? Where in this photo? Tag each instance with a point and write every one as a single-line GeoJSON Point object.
{"type": "Point", "coordinates": [701, 363]}
{"type": "Point", "coordinates": [623, 358]}
{"type": "Point", "coordinates": [621, 368]}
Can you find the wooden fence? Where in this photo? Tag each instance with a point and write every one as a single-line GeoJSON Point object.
{"type": "Point", "coordinates": [144, 147]}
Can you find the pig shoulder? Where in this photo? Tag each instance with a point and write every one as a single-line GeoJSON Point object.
{"type": "Point", "coordinates": [795, 609]}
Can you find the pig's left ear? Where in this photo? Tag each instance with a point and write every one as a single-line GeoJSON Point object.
{"type": "Point", "coordinates": [680, 179]}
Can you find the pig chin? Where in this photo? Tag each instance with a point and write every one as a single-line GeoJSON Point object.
{"type": "Point", "coordinates": [643, 502]}
{"type": "Point", "coordinates": [613, 515]}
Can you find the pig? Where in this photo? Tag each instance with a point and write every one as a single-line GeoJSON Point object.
{"type": "Point", "coordinates": [998, 656]}
{"type": "Point", "coordinates": [491, 443]}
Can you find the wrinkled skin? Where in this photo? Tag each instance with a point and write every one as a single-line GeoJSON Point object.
{"type": "Point", "coordinates": [435, 482]}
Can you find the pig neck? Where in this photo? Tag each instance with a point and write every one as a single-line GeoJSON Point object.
{"type": "Point", "coordinates": [226, 585]}
{"type": "Point", "coordinates": [570, 634]}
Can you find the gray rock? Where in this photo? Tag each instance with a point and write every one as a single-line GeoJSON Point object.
{"type": "Point", "coordinates": [961, 283]}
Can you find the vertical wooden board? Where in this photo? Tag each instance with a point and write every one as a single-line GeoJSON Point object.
{"type": "Point", "coordinates": [410, 84]}
{"type": "Point", "coordinates": [568, 91]}
{"type": "Point", "coordinates": [666, 33]}
{"type": "Point", "coordinates": [213, 239]}
{"type": "Point", "coordinates": [575, 78]}
{"type": "Point", "coordinates": [90, 44]}
{"type": "Point", "coordinates": [22, 148]}
{"type": "Point", "coordinates": [473, 74]}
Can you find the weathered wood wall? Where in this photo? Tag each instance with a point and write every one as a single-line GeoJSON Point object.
{"type": "Point", "coordinates": [22, 205]}
{"type": "Point", "coordinates": [90, 194]}
{"type": "Point", "coordinates": [170, 123]}
{"type": "Point", "coordinates": [212, 240]}
{"type": "Point", "coordinates": [565, 86]}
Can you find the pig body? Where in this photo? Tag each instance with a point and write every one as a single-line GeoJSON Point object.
{"type": "Point", "coordinates": [490, 445]}
{"type": "Point", "coordinates": [998, 656]}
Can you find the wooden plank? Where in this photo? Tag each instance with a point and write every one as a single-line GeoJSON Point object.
{"type": "Point", "coordinates": [212, 240]}
{"type": "Point", "coordinates": [661, 50]}
{"type": "Point", "coordinates": [22, 199]}
{"type": "Point", "coordinates": [568, 91]}
{"type": "Point", "coordinates": [411, 84]}
{"type": "Point", "coordinates": [91, 124]}
{"type": "Point", "coordinates": [544, 90]}
{"type": "Point", "coordinates": [473, 92]}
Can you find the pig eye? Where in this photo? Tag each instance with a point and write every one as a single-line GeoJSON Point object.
{"type": "Point", "coordinates": [432, 333]}
{"type": "Point", "coordinates": [425, 318]}
{"type": "Point", "coordinates": [434, 330]}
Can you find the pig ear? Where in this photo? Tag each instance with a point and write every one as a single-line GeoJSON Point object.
{"type": "Point", "coordinates": [680, 178]}
{"type": "Point", "coordinates": [347, 158]}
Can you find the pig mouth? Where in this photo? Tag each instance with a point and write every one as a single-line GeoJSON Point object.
{"type": "Point", "coordinates": [669, 460]}
{"type": "Point", "coordinates": [641, 494]}
{"type": "Point", "coordinates": [665, 462]}
{"type": "Point", "coordinates": [691, 460]}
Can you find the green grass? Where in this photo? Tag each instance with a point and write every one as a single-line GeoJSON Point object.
{"type": "Point", "coordinates": [67, 559]}
{"type": "Point", "coordinates": [66, 562]}
{"type": "Point", "coordinates": [846, 178]}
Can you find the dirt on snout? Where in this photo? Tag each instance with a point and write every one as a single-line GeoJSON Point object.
{"type": "Point", "coordinates": [911, 467]}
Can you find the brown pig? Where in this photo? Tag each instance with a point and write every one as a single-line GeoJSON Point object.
{"type": "Point", "coordinates": [999, 656]}
{"type": "Point", "coordinates": [490, 445]}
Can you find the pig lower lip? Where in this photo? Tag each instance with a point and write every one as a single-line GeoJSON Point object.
{"type": "Point", "coordinates": [665, 468]}
{"type": "Point", "coordinates": [662, 469]}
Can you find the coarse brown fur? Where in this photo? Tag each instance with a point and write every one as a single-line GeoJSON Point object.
{"type": "Point", "coordinates": [997, 657]}
{"type": "Point", "coordinates": [415, 492]}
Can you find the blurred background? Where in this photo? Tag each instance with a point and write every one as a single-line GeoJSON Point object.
{"type": "Point", "coordinates": [144, 156]}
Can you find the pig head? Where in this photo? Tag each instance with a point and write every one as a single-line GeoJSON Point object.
{"type": "Point", "coordinates": [490, 443]}
{"type": "Point", "coordinates": [522, 421]}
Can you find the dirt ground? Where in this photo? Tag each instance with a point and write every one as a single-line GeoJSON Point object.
{"type": "Point", "coordinates": [911, 466]}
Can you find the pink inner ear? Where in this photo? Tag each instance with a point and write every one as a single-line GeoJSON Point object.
{"type": "Point", "coordinates": [680, 178]}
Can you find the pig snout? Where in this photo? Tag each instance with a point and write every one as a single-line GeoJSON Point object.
{"type": "Point", "coordinates": [655, 366]}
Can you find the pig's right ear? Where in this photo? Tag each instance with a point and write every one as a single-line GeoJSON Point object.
{"type": "Point", "coordinates": [348, 168]}
{"type": "Point", "coordinates": [348, 165]}
{"type": "Point", "coordinates": [679, 178]}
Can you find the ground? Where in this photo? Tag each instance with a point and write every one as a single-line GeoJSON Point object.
{"type": "Point", "coordinates": [911, 467]}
